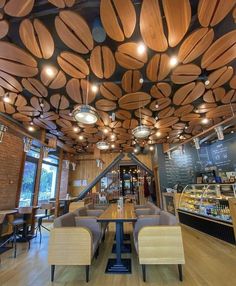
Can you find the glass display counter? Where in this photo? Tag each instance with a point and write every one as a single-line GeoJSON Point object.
{"type": "Point", "coordinates": [206, 207]}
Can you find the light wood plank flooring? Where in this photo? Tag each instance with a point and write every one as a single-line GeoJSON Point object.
{"type": "Point", "coordinates": [209, 262]}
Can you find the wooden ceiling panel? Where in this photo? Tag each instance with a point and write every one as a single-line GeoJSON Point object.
{"type": "Point", "coordinates": [178, 17]}
{"type": "Point", "coordinates": [195, 45]}
{"type": "Point", "coordinates": [74, 31]}
{"type": "Point", "coordinates": [64, 123]}
{"type": "Point", "coordinates": [131, 81]}
{"type": "Point", "coordinates": [21, 117]}
{"type": "Point", "coordinates": [16, 61]}
{"type": "Point", "coordinates": [214, 95]}
{"type": "Point", "coordinates": [185, 73]}
{"type": "Point", "coordinates": [223, 110]}
{"type": "Point", "coordinates": [127, 56]}
{"type": "Point", "coordinates": [118, 18]}
{"type": "Point", "coordinates": [9, 82]}
{"type": "Point", "coordinates": [134, 100]}
{"type": "Point", "coordinates": [158, 67]}
{"type": "Point", "coordinates": [219, 77]}
{"type": "Point", "coordinates": [35, 87]}
{"type": "Point", "coordinates": [160, 104]}
{"type": "Point", "coordinates": [39, 104]}
{"type": "Point", "coordinates": [229, 97]}
{"type": "Point", "coordinates": [36, 38]}
{"type": "Point", "coordinates": [62, 3]}
{"type": "Point", "coordinates": [4, 28]}
{"type": "Point", "coordinates": [151, 26]}
{"type": "Point", "coordinates": [105, 105]}
{"type": "Point", "coordinates": [211, 12]}
{"type": "Point", "coordinates": [77, 91]}
{"type": "Point", "coordinates": [160, 90]}
{"type": "Point", "coordinates": [6, 108]}
{"type": "Point", "coordinates": [59, 101]}
{"type": "Point", "coordinates": [166, 122]}
{"type": "Point", "coordinates": [66, 114]}
{"type": "Point", "coordinates": [123, 114]}
{"type": "Point", "coordinates": [28, 110]}
{"type": "Point", "coordinates": [167, 112]}
{"type": "Point", "coordinates": [232, 82]}
{"type": "Point", "coordinates": [18, 8]}
{"type": "Point", "coordinates": [143, 112]}
{"type": "Point", "coordinates": [183, 110]}
{"type": "Point", "coordinates": [102, 62]}
{"type": "Point", "coordinates": [110, 90]}
{"type": "Point", "coordinates": [190, 117]}
{"type": "Point", "coordinates": [188, 93]}
{"type": "Point", "coordinates": [73, 65]}
{"type": "Point", "coordinates": [130, 123]}
{"type": "Point", "coordinates": [205, 107]}
{"type": "Point", "coordinates": [221, 52]}
{"type": "Point", "coordinates": [45, 124]}
{"type": "Point", "coordinates": [57, 80]}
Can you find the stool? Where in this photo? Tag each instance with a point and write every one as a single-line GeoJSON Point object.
{"type": "Point", "coordinates": [47, 208]}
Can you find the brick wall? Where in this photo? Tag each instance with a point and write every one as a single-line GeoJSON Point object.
{"type": "Point", "coordinates": [11, 154]}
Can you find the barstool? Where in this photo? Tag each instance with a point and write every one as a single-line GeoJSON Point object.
{"type": "Point", "coordinates": [47, 207]}
{"type": "Point", "coordinates": [18, 224]}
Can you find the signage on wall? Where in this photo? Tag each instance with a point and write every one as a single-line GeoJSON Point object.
{"type": "Point", "coordinates": [80, 183]}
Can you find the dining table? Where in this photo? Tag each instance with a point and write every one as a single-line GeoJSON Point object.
{"type": "Point", "coordinates": [119, 216]}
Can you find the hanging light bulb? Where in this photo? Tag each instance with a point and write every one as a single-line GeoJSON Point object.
{"type": "Point", "coordinates": [27, 144]}
{"type": "Point", "coordinates": [3, 129]}
{"type": "Point", "coordinates": [219, 132]}
{"type": "Point", "coordinates": [196, 143]}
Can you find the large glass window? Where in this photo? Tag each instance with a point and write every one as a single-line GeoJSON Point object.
{"type": "Point", "coordinates": [27, 189]}
{"type": "Point", "coordinates": [48, 182]}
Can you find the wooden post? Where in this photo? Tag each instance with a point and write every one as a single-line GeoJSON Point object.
{"type": "Point", "coordinates": [157, 186]}
{"type": "Point", "coordinates": [58, 183]}
{"type": "Point", "coordinates": [22, 167]}
{"type": "Point", "coordinates": [38, 176]}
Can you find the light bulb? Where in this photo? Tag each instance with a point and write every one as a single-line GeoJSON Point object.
{"type": "Point", "coordinates": [173, 61]}
{"type": "Point", "coordinates": [207, 82]}
{"type": "Point", "coordinates": [94, 88]}
{"type": "Point", "coordinates": [6, 99]}
{"type": "Point", "coordinates": [158, 133]}
{"type": "Point", "coordinates": [205, 120]}
{"type": "Point", "coordinates": [49, 71]}
{"type": "Point", "coordinates": [141, 48]}
{"type": "Point", "coordinates": [151, 148]}
{"type": "Point", "coordinates": [81, 137]}
{"type": "Point", "coordinates": [76, 129]}
{"type": "Point", "coordinates": [31, 128]}
{"type": "Point", "coordinates": [105, 131]}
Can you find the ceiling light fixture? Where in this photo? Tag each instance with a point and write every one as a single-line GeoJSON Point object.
{"type": "Point", "coordinates": [207, 82]}
{"type": "Point", "coordinates": [94, 88]}
{"type": "Point", "coordinates": [49, 71]}
{"type": "Point", "coordinates": [3, 129]}
{"type": "Point", "coordinates": [219, 132]}
{"type": "Point", "coordinates": [113, 136]}
{"type": "Point", "coordinates": [81, 137]}
{"type": "Point", "coordinates": [112, 145]}
{"type": "Point", "coordinates": [158, 133]}
{"type": "Point", "coordinates": [141, 131]}
{"type": "Point", "coordinates": [31, 128]}
{"type": "Point", "coordinates": [76, 129]}
{"type": "Point", "coordinates": [151, 148]}
{"type": "Point", "coordinates": [196, 143]}
{"type": "Point", "coordinates": [6, 98]}
{"type": "Point", "coordinates": [205, 120]}
{"type": "Point", "coordinates": [85, 113]}
{"type": "Point", "coordinates": [102, 145]}
{"type": "Point", "coordinates": [105, 130]}
{"type": "Point", "coordinates": [141, 48]}
{"type": "Point", "coordinates": [173, 61]}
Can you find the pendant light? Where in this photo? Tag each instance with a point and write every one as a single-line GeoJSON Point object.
{"type": "Point", "coordinates": [141, 131]}
{"type": "Point", "coordinates": [85, 113]}
{"type": "Point", "coordinates": [102, 145]}
{"type": "Point", "coordinates": [3, 129]}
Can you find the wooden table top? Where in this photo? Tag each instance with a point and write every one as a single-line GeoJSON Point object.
{"type": "Point", "coordinates": [112, 213]}
{"type": "Point", "coordinates": [6, 212]}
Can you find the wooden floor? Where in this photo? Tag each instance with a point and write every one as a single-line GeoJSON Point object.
{"type": "Point", "coordinates": [209, 262]}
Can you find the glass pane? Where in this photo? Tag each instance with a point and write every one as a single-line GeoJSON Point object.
{"type": "Point", "coordinates": [34, 152]}
{"type": "Point", "coordinates": [52, 160]}
{"type": "Point", "coordinates": [27, 188]}
{"type": "Point", "coordinates": [48, 182]}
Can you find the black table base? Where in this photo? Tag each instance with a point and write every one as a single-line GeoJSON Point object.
{"type": "Point", "coordinates": [125, 248]}
{"type": "Point", "coordinates": [124, 267]}
{"type": "Point", "coordinates": [126, 237]}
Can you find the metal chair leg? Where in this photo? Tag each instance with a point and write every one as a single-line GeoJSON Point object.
{"type": "Point", "coordinates": [52, 272]}
{"type": "Point", "coordinates": [14, 241]}
{"type": "Point", "coordinates": [87, 273]}
{"type": "Point", "coordinates": [144, 272]}
{"type": "Point", "coordinates": [180, 272]}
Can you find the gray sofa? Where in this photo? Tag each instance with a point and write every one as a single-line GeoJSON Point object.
{"type": "Point", "coordinates": [147, 209]}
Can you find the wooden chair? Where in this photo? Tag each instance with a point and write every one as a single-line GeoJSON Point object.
{"type": "Point", "coordinates": [70, 246]}
{"type": "Point", "coordinates": [160, 245]}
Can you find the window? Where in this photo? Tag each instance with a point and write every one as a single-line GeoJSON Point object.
{"type": "Point", "coordinates": [27, 188]}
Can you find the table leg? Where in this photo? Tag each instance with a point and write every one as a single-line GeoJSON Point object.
{"type": "Point", "coordinates": [119, 265]}
{"type": "Point", "coordinates": [125, 248]}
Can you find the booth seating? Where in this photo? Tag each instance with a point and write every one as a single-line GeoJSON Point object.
{"type": "Point", "coordinates": [74, 240]}
{"type": "Point", "coordinates": [147, 209]}
{"type": "Point", "coordinates": [158, 240]}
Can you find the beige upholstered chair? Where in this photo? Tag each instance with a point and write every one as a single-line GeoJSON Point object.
{"type": "Point", "coordinates": [75, 205]}
{"type": "Point", "coordinates": [160, 245]}
{"type": "Point", "coordinates": [70, 246]}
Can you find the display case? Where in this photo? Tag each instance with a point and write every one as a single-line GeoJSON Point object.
{"type": "Point", "coordinates": [206, 207]}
